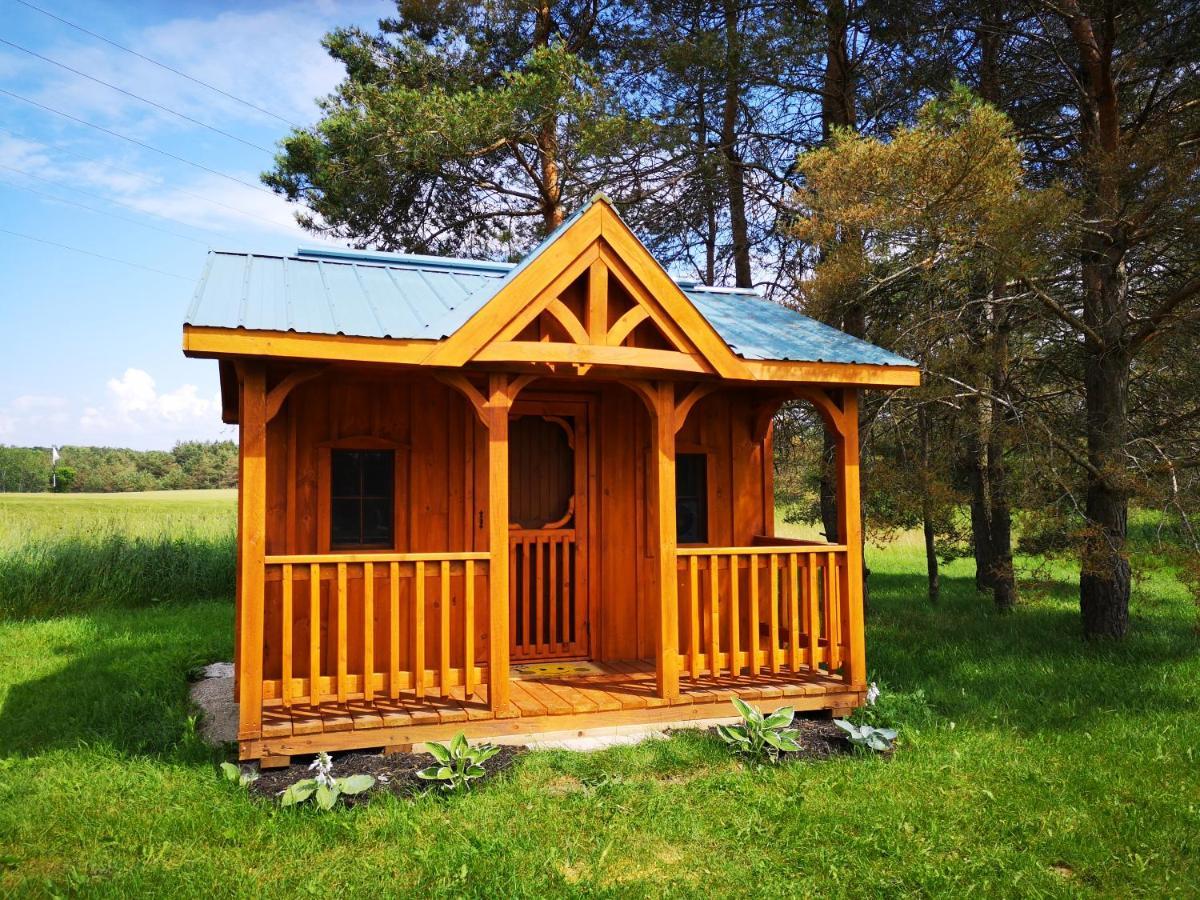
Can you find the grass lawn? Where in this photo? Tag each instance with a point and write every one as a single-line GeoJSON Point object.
{"type": "Point", "coordinates": [1049, 768]}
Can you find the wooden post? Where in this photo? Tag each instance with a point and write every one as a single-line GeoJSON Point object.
{"type": "Point", "coordinates": [661, 477]}
{"type": "Point", "coordinates": [252, 513]}
{"type": "Point", "coordinates": [499, 402]}
{"type": "Point", "coordinates": [850, 531]}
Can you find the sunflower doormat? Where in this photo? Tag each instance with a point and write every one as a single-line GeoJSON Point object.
{"type": "Point", "coordinates": [542, 669]}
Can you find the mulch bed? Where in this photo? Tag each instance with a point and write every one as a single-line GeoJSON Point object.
{"type": "Point", "coordinates": [395, 773]}
{"type": "Point", "coordinates": [819, 739]}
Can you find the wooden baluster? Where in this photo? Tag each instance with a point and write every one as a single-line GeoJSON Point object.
{"type": "Point", "coordinates": [285, 670]}
{"type": "Point", "coordinates": [794, 610]}
{"type": "Point", "coordinates": [569, 638]}
{"type": "Point", "coordinates": [714, 616]}
{"type": "Point", "coordinates": [551, 587]}
{"type": "Point", "coordinates": [694, 602]}
{"type": "Point", "coordinates": [314, 634]}
{"type": "Point", "coordinates": [514, 599]}
{"type": "Point", "coordinates": [814, 615]}
{"type": "Point", "coordinates": [394, 631]}
{"type": "Point", "coordinates": [528, 641]}
{"type": "Point", "coordinates": [469, 628]}
{"type": "Point", "coordinates": [804, 561]}
{"type": "Point", "coordinates": [368, 667]}
{"type": "Point", "coordinates": [832, 612]}
{"type": "Point", "coordinates": [342, 688]}
{"type": "Point", "coordinates": [418, 628]}
{"type": "Point", "coordinates": [444, 633]}
{"type": "Point", "coordinates": [735, 647]}
{"type": "Point", "coordinates": [754, 614]}
{"type": "Point", "coordinates": [774, 590]}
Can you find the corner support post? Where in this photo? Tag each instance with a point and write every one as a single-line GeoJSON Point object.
{"type": "Point", "coordinates": [662, 491]}
{"type": "Point", "coordinates": [252, 513]}
{"type": "Point", "coordinates": [496, 412]}
{"type": "Point", "coordinates": [850, 530]}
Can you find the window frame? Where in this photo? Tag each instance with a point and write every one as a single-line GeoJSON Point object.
{"type": "Point", "coordinates": [325, 491]}
{"type": "Point", "coordinates": [707, 454]}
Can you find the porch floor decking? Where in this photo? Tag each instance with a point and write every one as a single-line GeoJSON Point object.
{"type": "Point", "coordinates": [622, 693]}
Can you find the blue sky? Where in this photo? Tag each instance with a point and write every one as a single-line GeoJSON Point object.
{"type": "Point", "coordinates": [90, 348]}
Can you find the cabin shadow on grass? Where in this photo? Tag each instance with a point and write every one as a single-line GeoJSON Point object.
{"type": "Point", "coordinates": [1030, 670]}
{"type": "Point", "coordinates": [112, 678]}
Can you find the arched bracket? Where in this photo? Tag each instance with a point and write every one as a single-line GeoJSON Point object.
{"type": "Point", "coordinates": [473, 395]}
{"type": "Point", "coordinates": [565, 426]}
{"type": "Point", "coordinates": [279, 393]}
{"type": "Point", "coordinates": [684, 406]}
{"type": "Point", "coordinates": [502, 390]}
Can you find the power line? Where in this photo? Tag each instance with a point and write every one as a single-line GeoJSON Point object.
{"type": "Point", "coordinates": [143, 144]}
{"type": "Point", "coordinates": [124, 262]}
{"type": "Point", "coordinates": [103, 212]}
{"type": "Point", "coordinates": [115, 167]}
{"type": "Point", "coordinates": [77, 190]}
{"type": "Point", "coordinates": [137, 97]}
{"type": "Point", "coordinates": [161, 65]}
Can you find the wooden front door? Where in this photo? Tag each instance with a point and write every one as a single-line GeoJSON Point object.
{"type": "Point", "coordinates": [548, 512]}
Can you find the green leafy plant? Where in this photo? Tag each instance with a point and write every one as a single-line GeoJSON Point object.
{"type": "Point", "coordinates": [761, 737]}
{"type": "Point", "coordinates": [458, 763]}
{"type": "Point", "coordinates": [868, 736]}
{"type": "Point", "coordinates": [324, 787]}
{"type": "Point", "coordinates": [893, 709]}
{"type": "Point", "coordinates": [238, 775]}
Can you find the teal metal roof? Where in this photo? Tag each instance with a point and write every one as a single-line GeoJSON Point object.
{"type": "Point", "coordinates": [389, 295]}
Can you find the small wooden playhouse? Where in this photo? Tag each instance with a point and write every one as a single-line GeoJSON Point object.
{"type": "Point", "coordinates": [517, 499]}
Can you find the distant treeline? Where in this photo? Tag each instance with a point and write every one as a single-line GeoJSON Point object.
{"type": "Point", "coordinates": [189, 464]}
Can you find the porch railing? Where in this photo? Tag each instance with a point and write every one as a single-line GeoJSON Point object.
{"type": "Point", "coordinates": [776, 605]}
{"type": "Point", "coordinates": [366, 626]}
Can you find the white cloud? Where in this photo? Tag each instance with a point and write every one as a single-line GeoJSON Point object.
{"type": "Point", "coordinates": [135, 404]}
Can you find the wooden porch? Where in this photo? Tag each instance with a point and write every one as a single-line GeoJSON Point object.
{"type": "Point", "coordinates": [618, 694]}
{"type": "Point", "coordinates": [392, 641]}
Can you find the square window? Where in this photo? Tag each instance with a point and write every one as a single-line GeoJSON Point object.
{"type": "Point", "coordinates": [362, 485]}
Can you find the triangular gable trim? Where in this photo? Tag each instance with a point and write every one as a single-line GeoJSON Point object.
{"type": "Point", "coordinates": [595, 232]}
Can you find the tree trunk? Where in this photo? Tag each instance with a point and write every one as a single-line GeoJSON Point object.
{"type": "Point", "coordinates": [1104, 575]}
{"type": "Point", "coordinates": [931, 560]}
{"type": "Point", "coordinates": [1003, 577]}
{"type": "Point", "coordinates": [839, 110]}
{"type": "Point", "coordinates": [735, 174]}
{"type": "Point", "coordinates": [547, 140]}
{"type": "Point", "coordinates": [1104, 572]}
{"type": "Point", "coordinates": [978, 443]}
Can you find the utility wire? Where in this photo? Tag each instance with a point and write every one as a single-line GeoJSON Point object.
{"type": "Point", "coordinates": [138, 97]}
{"type": "Point", "coordinates": [114, 200]}
{"type": "Point", "coordinates": [103, 212]}
{"type": "Point", "coordinates": [143, 144]}
{"type": "Point", "coordinates": [161, 65]}
{"type": "Point", "coordinates": [136, 174]}
{"type": "Point", "coordinates": [124, 262]}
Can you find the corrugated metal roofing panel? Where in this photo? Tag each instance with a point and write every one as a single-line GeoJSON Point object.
{"type": "Point", "coordinates": [757, 328]}
{"type": "Point", "coordinates": [390, 295]}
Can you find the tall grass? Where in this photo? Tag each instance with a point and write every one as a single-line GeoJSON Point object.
{"type": "Point", "coordinates": [69, 554]}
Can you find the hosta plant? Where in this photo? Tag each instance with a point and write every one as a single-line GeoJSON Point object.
{"type": "Point", "coordinates": [458, 763]}
{"type": "Point", "coordinates": [761, 737]}
{"type": "Point", "coordinates": [868, 736]}
{"type": "Point", "coordinates": [323, 787]}
{"type": "Point", "coordinates": [237, 775]}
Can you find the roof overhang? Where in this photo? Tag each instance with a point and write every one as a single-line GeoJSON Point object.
{"type": "Point", "coordinates": [203, 342]}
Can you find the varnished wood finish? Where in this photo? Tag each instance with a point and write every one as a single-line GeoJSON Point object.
{"type": "Point", "coordinates": [252, 545]}
{"type": "Point", "coordinates": [623, 693]}
{"type": "Point", "coordinates": [591, 337]}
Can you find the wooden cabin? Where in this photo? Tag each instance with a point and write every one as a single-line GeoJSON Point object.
{"type": "Point", "coordinates": [518, 499]}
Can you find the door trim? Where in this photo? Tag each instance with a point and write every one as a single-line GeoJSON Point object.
{"type": "Point", "coordinates": [580, 409]}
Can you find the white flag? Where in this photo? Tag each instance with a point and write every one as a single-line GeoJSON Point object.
{"type": "Point", "coordinates": [54, 456]}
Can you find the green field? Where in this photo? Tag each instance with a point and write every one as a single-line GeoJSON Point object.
{"type": "Point", "coordinates": [1049, 767]}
